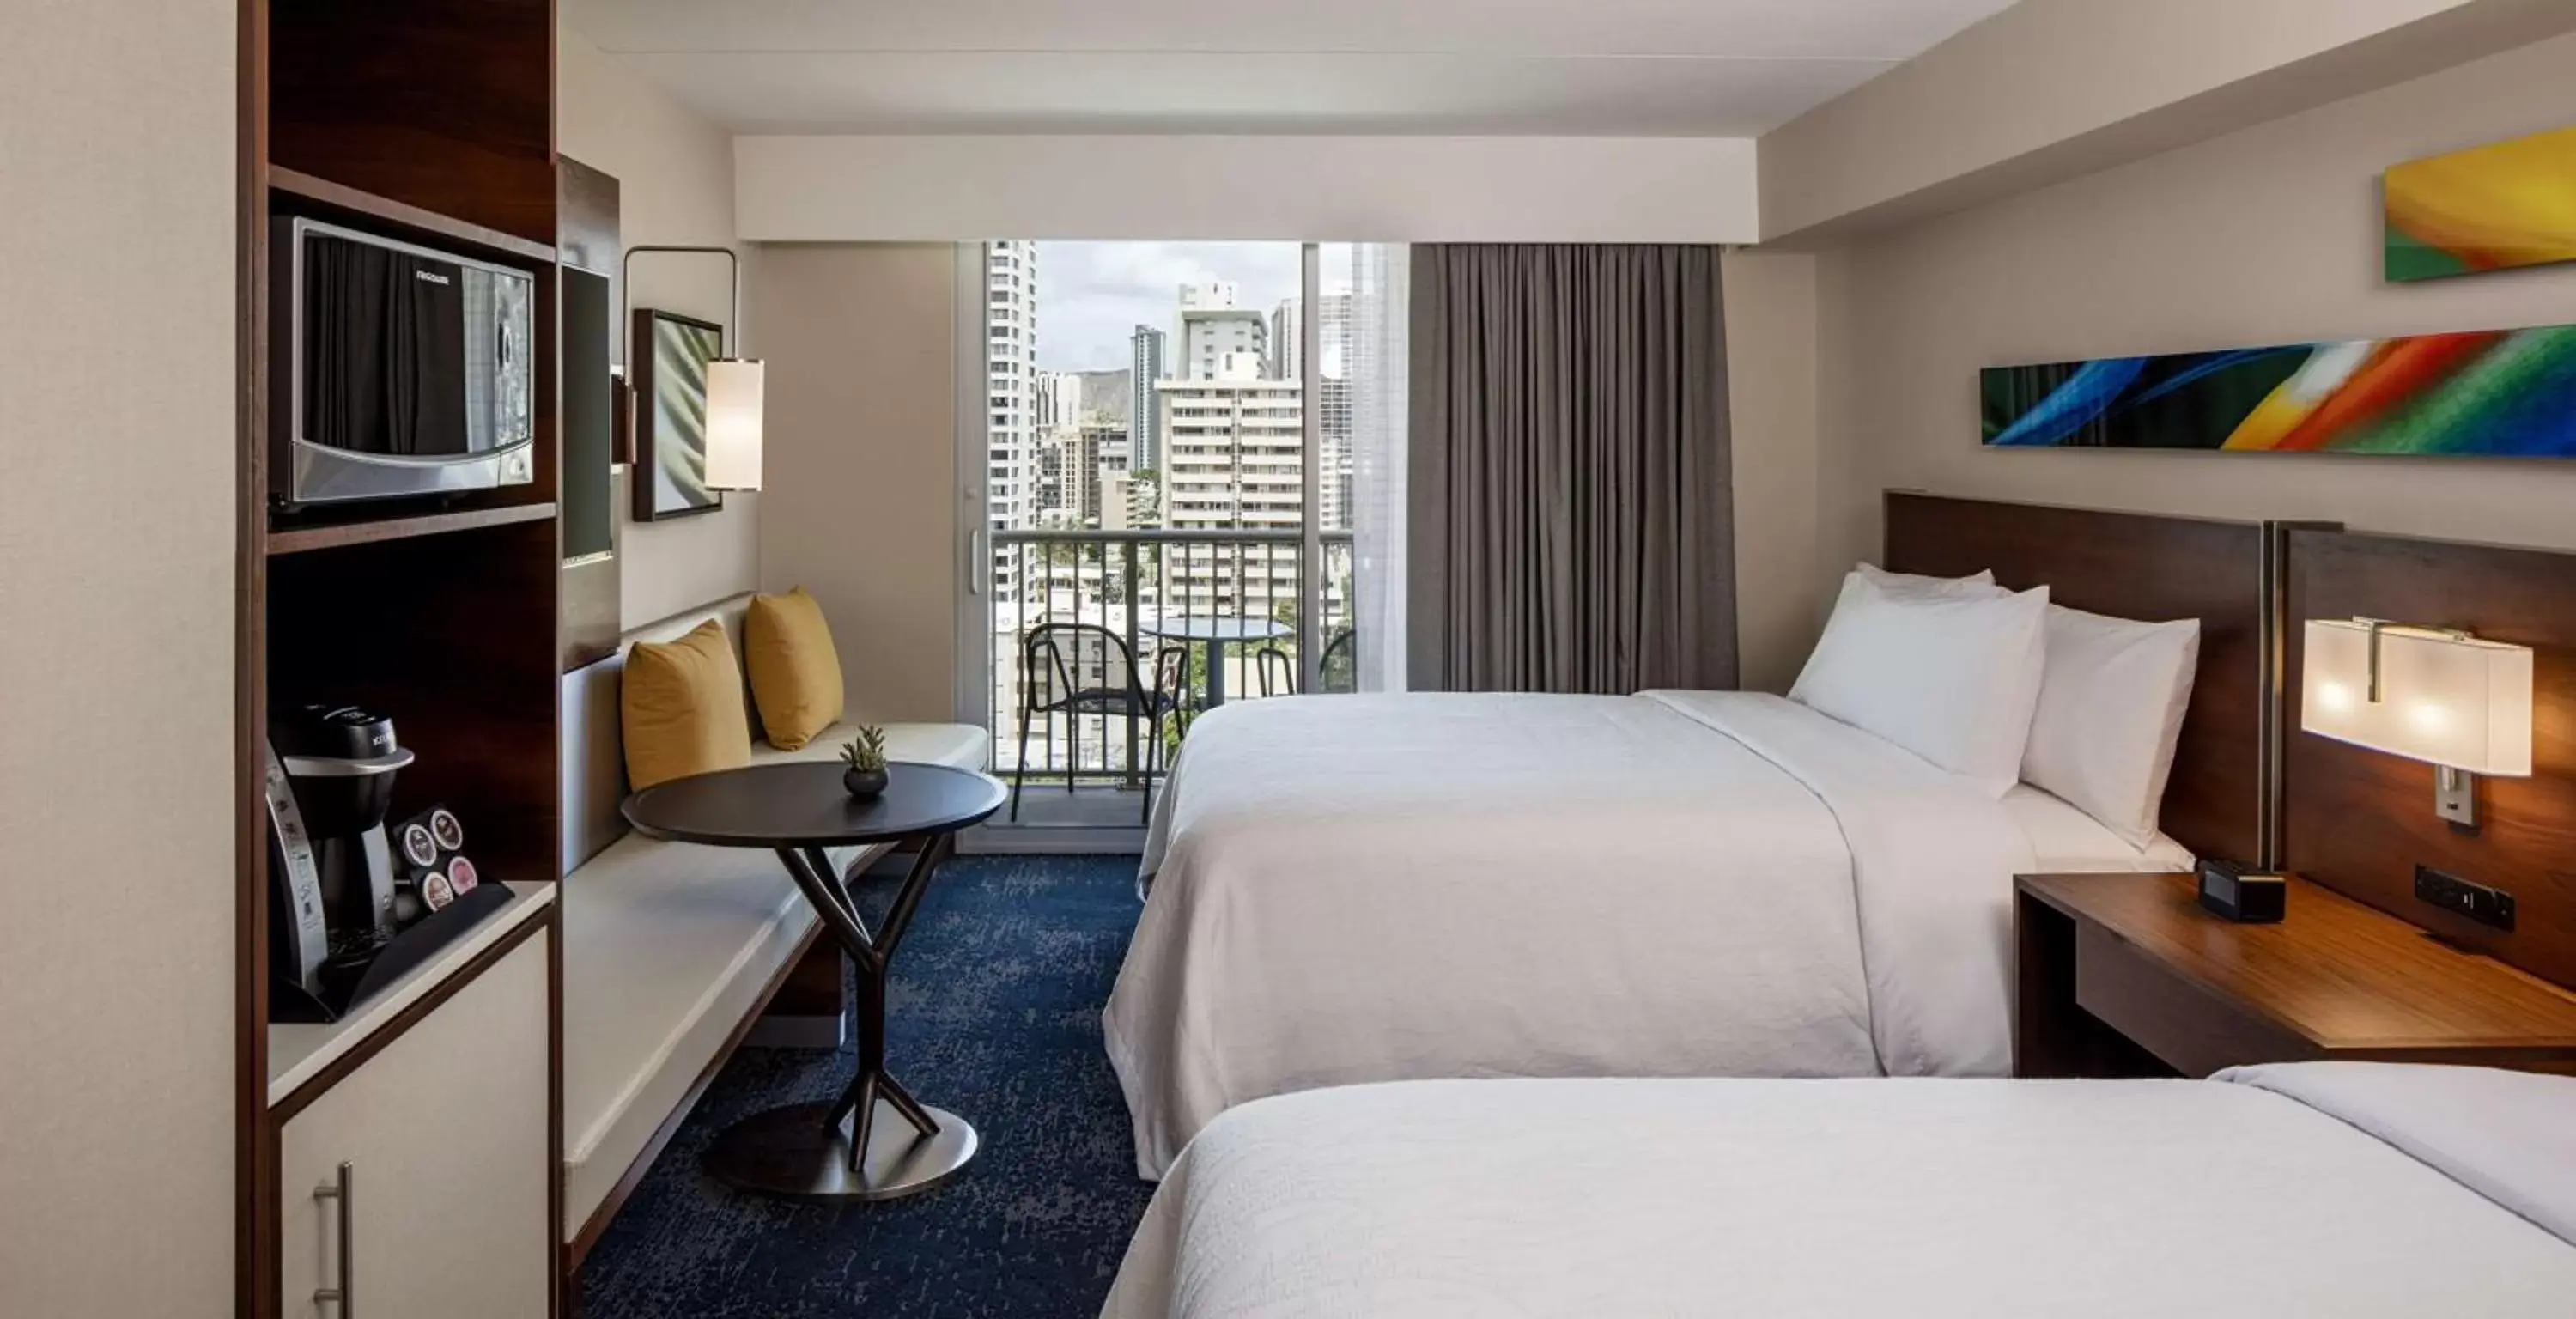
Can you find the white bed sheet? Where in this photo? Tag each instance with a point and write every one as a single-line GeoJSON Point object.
{"type": "Point", "coordinates": [1937, 1198]}
{"type": "Point", "coordinates": [1366, 888]}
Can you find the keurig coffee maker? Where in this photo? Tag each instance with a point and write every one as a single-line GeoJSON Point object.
{"type": "Point", "coordinates": [330, 785]}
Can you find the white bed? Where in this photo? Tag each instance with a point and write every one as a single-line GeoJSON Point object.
{"type": "Point", "coordinates": [1680, 884]}
{"type": "Point", "coordinates": [2343, 1189]}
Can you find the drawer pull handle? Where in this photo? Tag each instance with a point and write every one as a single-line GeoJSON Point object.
{"type": "Point", "coordinates": [344, 1190]}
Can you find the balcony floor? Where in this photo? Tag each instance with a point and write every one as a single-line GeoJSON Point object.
{"type": "Point", "coordinates": [1095, 817]}
{"type": "Point", "coordinates": [1046, 805]}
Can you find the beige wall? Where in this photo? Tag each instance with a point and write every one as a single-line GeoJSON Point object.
{"type": "Point", "coordinates": [1156, 187]}
{"type": "Point", "coordinates": [2270, 235]}
{"type": "Point", "coordinates": [1771, 389]}
{"type": "Point", "coordinates": [116, 688]}
{"type": "Point", "coordinates": [675, 185]}
{"type": "Point", "coordinates": [2048, 90]}
{"type": "Point", "coordinates": [862, 501]}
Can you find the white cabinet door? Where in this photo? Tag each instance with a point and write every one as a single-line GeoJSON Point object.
{"type": "Point", "coordinates": [444, 1133]}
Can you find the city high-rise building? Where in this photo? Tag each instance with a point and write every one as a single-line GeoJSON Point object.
{"type": "Point", "coordinates": [1213, 329]}
{"type": "Point", "coordinates": [1127, 501]}
{"type": "Point", "coordinates": [1333, 471]}
{"type": "Point", "coordinates": [1011, 377]}
{"type": "Point", "coordinates": [1046, 480]}
{"type": "Point", "coordinates": [1144, 417]}
{"type": "Point", "coordinates": [1059, 399]}
{"type": "Point", "coordinates": [1233, 447]}
{"type": "Point", "coordinates": [1104, 448]}
{"type": "Point", "coordinates": [1068, 481]}
{"type": "Point", "coordinates": [1335, 326]}
{"type": "Point", "coordinates": [1287, 341]}
{"type": "Point", "coordinates": [1116, 449]}
{"type": "Point", "coordinates": [1335, 353]}
{"type": "Point", "coordinates": [1210, 295]}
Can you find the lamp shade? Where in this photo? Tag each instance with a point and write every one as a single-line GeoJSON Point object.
{"type": "Point", "coordinates": [733, 423]}
{"type": "Point", "coordinates": [2442, 698]}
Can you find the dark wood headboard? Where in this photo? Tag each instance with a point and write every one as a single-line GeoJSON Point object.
{"type": "Point", "coordinates": [2360, 822]}
{"type": "Point", "coordinates": [2154, 569]}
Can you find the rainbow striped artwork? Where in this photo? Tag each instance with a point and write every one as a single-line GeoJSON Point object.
{"type": "Point", "coordinates": [2494, 207]}
{"type": "Point", "coordinates": [2499, 394]}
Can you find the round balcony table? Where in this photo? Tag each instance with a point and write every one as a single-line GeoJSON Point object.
{"type": "Point", "coordinates": [1216, 633]}
{"type": "Point", "coordinates": [844, 1150]}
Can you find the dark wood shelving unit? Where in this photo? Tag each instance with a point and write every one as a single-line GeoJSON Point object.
{"type": "Point", "coordinates": [432, 122]}
{"type": "Point", "coordinates": [321, 197]}
{"type": "Point", "coordinates": [336, 535]}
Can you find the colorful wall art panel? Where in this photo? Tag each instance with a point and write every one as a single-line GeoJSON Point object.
{"type": "Point", "coordinates": [2488, 208]}
{"type": "Point", "coordinates": [2500, 394]}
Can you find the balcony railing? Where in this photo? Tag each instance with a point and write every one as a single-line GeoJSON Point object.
{"type": "Point", "coordinates": [1135, 582]}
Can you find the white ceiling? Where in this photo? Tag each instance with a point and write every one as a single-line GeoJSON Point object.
{"type": "Point", "coordinates": [1724, 68]}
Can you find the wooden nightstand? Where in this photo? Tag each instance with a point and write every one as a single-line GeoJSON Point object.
{"type": "Point", "coordinates": [2126, 975]}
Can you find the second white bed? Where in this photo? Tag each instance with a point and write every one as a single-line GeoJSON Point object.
{"type": "Point", "coordinates": [2324, 1189]}
{"type": "Point", "coordinates": [1370, 888]}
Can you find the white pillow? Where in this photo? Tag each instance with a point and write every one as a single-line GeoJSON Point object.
{"type": "Point", "coordinates": [1981, 586]}
{"type": "Point", "coordinates": [2110, 710]}
{"type": "Point", "coordinates": [1951, 679]}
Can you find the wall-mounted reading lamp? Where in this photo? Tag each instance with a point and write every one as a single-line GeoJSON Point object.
{"type": "Point", "coordinates": [734, 384]}
{"type": "Point", "coordinates": [2447, 698]}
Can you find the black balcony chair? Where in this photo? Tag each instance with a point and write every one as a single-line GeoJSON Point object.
{"type": "Point", "coordinates": [1077, 669]}
{"type": "Point", "coordinates": [1278, 672]}
{"type": "Point", "coordinates": [1335, 668]}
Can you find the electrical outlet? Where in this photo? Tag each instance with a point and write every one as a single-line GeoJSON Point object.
{"type": "Point", "coordinates": [2486, 906]}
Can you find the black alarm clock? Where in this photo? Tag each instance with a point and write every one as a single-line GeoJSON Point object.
{"type": "Point", "coordinates": [2239, 894]}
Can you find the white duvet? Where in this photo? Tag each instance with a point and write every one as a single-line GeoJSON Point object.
{"type": "Point", "coordinates": [2350, 1190]}
{"type": "Point", "coordinates": [1369, 888]}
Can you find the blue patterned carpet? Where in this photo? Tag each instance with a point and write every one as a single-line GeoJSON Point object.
{"type": "Point", "coordinates": [994, 1013]}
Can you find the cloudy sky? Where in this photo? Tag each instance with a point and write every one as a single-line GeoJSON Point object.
{"type": "Point", "coordinates": [1092, 296]}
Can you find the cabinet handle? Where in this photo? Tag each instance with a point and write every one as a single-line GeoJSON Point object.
{"type": "Point", "coordinates": [344, 1190]}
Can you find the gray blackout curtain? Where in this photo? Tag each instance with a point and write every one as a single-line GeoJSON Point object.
{"type": "Point", "coordinates": [1569, 500]}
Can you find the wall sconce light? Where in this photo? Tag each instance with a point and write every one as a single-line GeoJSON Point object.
{"type": "Point", "coordinates": [2443, 697]}
{"type": "Point", "coordinates": [735, 385]}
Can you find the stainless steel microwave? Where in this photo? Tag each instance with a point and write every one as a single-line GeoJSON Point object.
{"type": "Point", "coordinates": [397, 370]}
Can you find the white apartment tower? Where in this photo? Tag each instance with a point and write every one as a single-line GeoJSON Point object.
{"type": "Point", "coordinates": [1213, 329]}
{"type": "Point", "coordinates": [1233, 445]}
{"type": "Point", "coordinates": [1287, 341]}
{"type": "Point", "coordinates": [1011, 369]}
{"type": "Point", "coordinates": [1144, 419]}
{"type": "Point", "coordinates": [1059, 399]}
{"type": "Point", "coordinates": [1335, 351]}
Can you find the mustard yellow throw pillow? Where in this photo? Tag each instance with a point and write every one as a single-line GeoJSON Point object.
{"type": "Point", "coordinates": [795, 671]}
{"type": "Point", "coordinates": [682, 708]}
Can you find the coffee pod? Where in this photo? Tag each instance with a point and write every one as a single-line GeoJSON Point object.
{"type": "Point", "coordinates": [446, 829]}
{"type": "Point", "coordinates": [418, 845]}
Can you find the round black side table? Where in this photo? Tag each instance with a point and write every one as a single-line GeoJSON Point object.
{"type": "Point", "coordinates": [835, 1151]}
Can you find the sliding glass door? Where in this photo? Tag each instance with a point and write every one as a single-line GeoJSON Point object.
{"type": "Point", "coordinates": [1188, 461]}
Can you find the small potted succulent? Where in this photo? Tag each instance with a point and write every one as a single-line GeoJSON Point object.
{"type": "Point", "coordinates": [865, 758]}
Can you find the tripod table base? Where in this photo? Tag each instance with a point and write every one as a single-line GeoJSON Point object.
{"type": "Point", "coordinates": [789, 1152]}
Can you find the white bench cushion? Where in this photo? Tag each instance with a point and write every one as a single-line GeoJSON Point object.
{"type": "Point", "coordinates": [958, 746]}
{"type": "Point", "coordinates": [666, 946]}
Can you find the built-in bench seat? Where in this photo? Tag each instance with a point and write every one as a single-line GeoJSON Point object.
{"type": "Point", "coordinates": [669, 949]}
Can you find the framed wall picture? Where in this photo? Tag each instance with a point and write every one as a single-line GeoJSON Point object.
{"type": "Point", "coordinates": [670, 473]}
{"type": "Point", "coordinates": [2496, 207]}
{"type": "Point", "coordinates": [2494, 394]}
